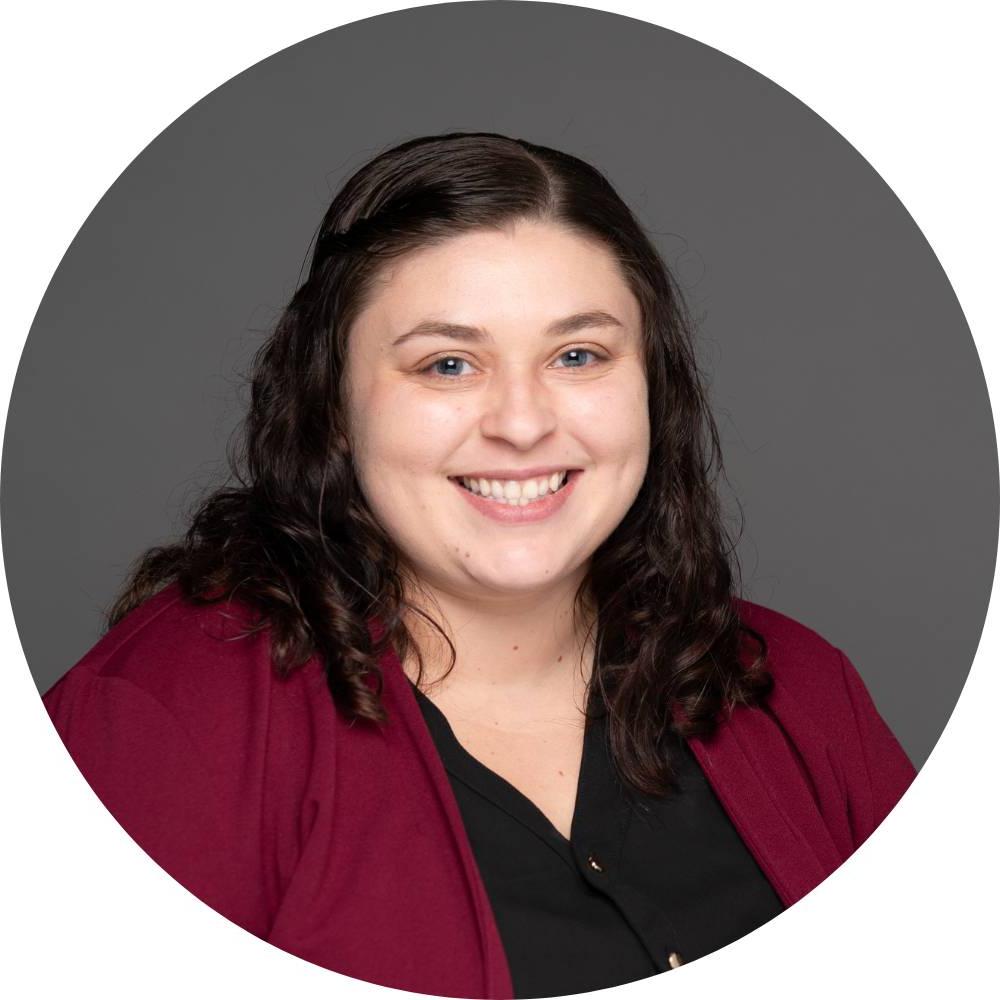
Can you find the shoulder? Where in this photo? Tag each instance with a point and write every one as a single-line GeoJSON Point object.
{"type": "Point", "coordinates": [179, 723]}
{"type": "Point", "coordinates": [818, 694]}
{"type": "Point", "coordinates": [204, 668]}
{"type": "Point", "coordinates": [804, 664]}
{"type": "Point", "coordinates": [822, 706]}
{"type": "Point", "coordinates": [791, 640]}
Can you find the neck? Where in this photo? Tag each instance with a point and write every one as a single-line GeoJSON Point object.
{"type": "Point", "coordinates": [524, 645]}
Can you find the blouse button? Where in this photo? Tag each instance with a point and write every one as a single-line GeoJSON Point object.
{"type": "Point", "coordinates": [595, 863]}
{"type": "Point", "coordinates": [674, 960]}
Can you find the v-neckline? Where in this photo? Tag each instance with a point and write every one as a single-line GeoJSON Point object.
{"type": "Point", "coordinates": [472, 772]}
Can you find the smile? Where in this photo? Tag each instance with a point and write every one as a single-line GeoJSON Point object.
{"type": "Point", "coordinates": [512, 502]}
{"type": "Point", "coordinates": [515, 492]}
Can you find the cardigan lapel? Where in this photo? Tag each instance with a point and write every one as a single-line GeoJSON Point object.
{"type": "Point", "coordinates": [403, 706]}
{"type": "Point", "coordinates": [759, 781]}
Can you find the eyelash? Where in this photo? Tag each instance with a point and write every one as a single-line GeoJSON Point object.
{"type": "Point", "coordinates": [426, 370]}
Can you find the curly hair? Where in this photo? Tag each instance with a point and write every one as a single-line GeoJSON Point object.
{"type": "Point", "coordinates": [290, 532]}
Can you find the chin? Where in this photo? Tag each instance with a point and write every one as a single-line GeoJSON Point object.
{"type": "Point", "coordinates": [513, 582]}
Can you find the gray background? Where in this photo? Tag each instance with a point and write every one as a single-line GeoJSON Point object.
{"type": "Point", "coordinates": [854, 414]}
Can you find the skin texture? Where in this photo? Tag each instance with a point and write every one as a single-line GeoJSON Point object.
{"type": "Point", "coordinates": [515, 400]}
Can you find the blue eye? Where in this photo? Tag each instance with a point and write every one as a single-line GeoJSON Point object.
{"type": "Point", "coordinates": [432, 368]}
{"type": "Point", "coordinates": [577, 351]}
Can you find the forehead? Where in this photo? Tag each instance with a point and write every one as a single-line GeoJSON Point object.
{"type": "Point", "coordinates": [527, 273]}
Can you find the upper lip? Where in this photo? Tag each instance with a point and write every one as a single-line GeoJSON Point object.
{"type": "Point", "coordinates": [501, 474]}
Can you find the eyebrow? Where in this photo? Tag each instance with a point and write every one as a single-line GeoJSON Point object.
{"type": "Point", "coordinates": [560, 328]}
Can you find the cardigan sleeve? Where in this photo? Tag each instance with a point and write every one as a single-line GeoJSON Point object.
{"type": "Point", "coordinates": [873, 754]}
{"type": "Point", "coordinates": [160, 786]}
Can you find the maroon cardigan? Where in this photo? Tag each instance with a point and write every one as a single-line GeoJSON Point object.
{"type": "Point", "coordinates": [343, 844]}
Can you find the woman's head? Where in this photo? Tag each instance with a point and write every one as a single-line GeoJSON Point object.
{"type": "Point", "coordinates": [581, 359]}
{"type": "Point", "coordinates": [507, 237]}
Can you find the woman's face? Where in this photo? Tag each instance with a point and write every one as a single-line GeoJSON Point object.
{"type": "Point", "coordinates": [504, 358]}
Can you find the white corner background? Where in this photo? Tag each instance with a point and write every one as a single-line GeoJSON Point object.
{"type": "Point", "coordinates": [87, 86]}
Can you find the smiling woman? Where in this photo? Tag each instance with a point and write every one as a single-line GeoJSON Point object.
{"type": "Point", "coordinates": [452, 690]}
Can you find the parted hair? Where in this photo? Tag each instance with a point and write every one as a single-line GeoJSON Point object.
{"type": "Point", "coordinates": [291, 535]}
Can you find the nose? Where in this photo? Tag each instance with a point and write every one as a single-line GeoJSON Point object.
{"type": "Point", "coordinates": [518, 408]}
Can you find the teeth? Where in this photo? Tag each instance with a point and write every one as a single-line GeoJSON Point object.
{"type": "Point", "coordinates": [514, 492]}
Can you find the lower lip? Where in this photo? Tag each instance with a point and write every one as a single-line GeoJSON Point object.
{"type": "Point", "coordinates": [537, 510]}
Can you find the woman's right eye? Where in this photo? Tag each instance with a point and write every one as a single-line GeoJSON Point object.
{"type": "Point", "coordinates": [433, 370]}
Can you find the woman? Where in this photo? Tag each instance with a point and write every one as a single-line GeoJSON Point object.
{"type": "Point", "coordinates": [451, 690]}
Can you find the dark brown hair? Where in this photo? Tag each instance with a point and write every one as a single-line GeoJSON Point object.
{"type": "Point", "coordinates": [291, 535]}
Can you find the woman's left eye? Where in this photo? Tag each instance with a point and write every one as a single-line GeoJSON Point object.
{"type": "Point", "coordinates": [578, 351]}
{"type": "Point", "coordinates": [453, 363]}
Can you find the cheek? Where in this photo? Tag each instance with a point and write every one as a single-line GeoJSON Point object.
{"type": "Point", "coordinates": [402, 429]}
{"type": "Point", "coordinates": [435, 413]}
{"type": "Point", "coordinates": [615, 419]}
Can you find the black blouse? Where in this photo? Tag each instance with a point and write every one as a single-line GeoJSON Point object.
{"type": "Point", "coordinates": [642, 885]}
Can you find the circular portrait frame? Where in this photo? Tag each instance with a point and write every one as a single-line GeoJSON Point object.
{"type": "Point", "coordinates": [878, 865]}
